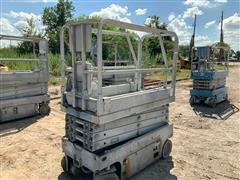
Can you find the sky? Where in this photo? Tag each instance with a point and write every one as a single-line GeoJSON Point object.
{"type": "Point", "coordinates": [178, 14]}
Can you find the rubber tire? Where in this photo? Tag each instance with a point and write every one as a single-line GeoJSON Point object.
{"type": "Point", "coordinates": [71, 169]}
{"type": "Point", "coordinates": [167, 149]}
{"type": "Point", "coordinates": [74, 171]}
{"type": "Point", "coordinates": [44, 109]}
{"type": "Point", "coordinates": [111, 176]}
{"type": "Point", "coordinates": [212, 102]}
{"type": "Point", "coordinates": [64, 165]}
{"type": "Point", "coordinates": [226, 97]}
{"type": "Point", "coordinates": [191, 100]}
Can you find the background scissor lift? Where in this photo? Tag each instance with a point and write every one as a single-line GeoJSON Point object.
{"type": "Point", "coordinates": [24, 92]}
{"type": "Point", "coordinates": [209, 70]}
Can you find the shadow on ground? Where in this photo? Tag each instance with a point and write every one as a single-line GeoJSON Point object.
{"type": "Point", "coordinates": [158, 170]}
{"type": "Point", "coordinates": [12, 127]}
{"type": "Point", "coordinates": [65, 176]}
{"type": "Point", "coordinates": [222, 111]}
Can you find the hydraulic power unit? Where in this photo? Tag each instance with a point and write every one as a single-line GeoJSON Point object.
{"type": "Point", "coordinates": [24, 91]}
{"type": "Point", "coordinates": [209, 70]}
{"type": "Point", "coordinates": [115, 126]}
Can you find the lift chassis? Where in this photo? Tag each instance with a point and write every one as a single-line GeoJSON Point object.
{"type": "Point", "coordinates": [124, 160]}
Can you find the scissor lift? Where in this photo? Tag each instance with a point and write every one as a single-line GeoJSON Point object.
{"type": "Point", "coordinates": [114, 127]}
{"type": "Point", "coordinates": [209, 72]}
{"type": "Point", "coordinates": [24, 93]}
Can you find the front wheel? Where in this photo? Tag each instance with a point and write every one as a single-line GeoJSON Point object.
{"type": "Point", "coordinates": [192, 100]}
{"type": "Point", "coordinates": [65, 164]}
{"type": "Point", "coordinates": [68, 167]}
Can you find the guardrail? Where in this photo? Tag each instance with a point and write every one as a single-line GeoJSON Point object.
{"type": "Point", "coordinates": [83, 27]}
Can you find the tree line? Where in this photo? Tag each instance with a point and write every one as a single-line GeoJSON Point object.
{"type": "Point", "coordinates": [53, 18]}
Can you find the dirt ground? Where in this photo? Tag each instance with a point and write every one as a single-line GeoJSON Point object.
{"type": "Point", "coordinates": [203, 147]}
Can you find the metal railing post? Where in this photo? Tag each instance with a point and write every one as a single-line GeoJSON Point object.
{"type": "Point", "coordinates": [73, 51]}
{"type": "Point", "coordinates": [100, 69]}
{"type": "Point", "coordinates": [165, 60]}
{"type": "Point", "coordinates": [139, 63]}
{"type": "Point", "coordinates": [62, 59]}
{"type": "Point", "coordinates": [174, 70]}
{"type": "Point", "coordinates": [83, 57]}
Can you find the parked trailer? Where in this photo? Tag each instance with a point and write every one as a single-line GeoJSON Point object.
{"type": "Point", "coordinates": [114, 126]}
{"type": "Point", "coordinates": [209, 74]}
{"type": "Point", "coordinates": [24, 93]}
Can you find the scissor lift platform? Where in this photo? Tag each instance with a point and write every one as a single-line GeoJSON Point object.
{"type": "Point", "coordinates": [114, 127]}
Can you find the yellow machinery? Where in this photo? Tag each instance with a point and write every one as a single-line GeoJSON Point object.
{"type": "Point", "coordinates": [3, 68]}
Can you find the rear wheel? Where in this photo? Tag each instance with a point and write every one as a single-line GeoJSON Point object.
{"type": "Point", "coordinates": [167, 149]}
{"type": "Point", "coordinates": [44, 109]}
{"type": "Point", "coordinates": [212, 102]}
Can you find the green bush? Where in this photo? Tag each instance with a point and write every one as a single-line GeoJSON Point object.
{"type": "Point", "coordinates": [54, 64]}
{"type": "Point", "coordinates": [54, 80]}
{"type": "Point", "coordinates": [17, 65]}
{"type": "Point", "coordinates": [53, 60]}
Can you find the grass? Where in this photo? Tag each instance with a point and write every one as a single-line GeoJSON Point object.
{"type": "Point", "coordinates": [20, 65]}
{"type": "Point", "coordinates": [181, 74]}
{"type": "Point", "coordinates": [53, 62]}
{"type": "Point", "coordinates": [55, 65]}
{"type": "Point", "coordinates": [54, 80]}
{"type": "Point", "coordinates": [148, 62]}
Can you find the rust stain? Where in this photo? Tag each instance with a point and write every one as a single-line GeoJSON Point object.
{"type": "Point", "coordinates": [128, 168]}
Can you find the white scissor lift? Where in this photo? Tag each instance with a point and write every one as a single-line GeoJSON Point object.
{"type": "Point", "coordinates": [114, 127]}
{"type": "Point", "coordinates": [24, 92]}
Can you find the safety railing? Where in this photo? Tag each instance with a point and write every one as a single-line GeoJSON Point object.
{"type": "Point", "coordinates": [37, 62]}
{"type": "Point", "coordinates": [100, 70]}
{"type": "Point", "coordinates": [211, 62]}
